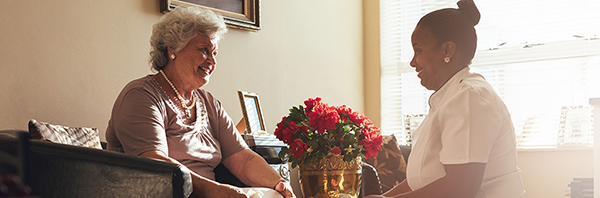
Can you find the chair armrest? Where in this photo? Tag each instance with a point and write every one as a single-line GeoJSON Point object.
{"type": "Point", "coordinates": [58, 170]}
{"type": "Point", "coordinates": [370, 181]}
{"type": "Point", "coordinates": [405, 151]}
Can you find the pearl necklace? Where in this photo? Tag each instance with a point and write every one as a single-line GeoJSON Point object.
{"type": "Point", "coordinates": [187, 109]}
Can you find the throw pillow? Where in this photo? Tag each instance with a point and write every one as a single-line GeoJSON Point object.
{"type": "Point", "coordinates": [390, 164]}
{"type": "Point", "coordinates": [76, 136]}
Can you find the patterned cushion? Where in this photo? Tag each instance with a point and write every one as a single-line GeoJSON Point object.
{"type": "Point", "coordinates": [390, 164]}
{"type": "Point", "coordinates": [77, 136]}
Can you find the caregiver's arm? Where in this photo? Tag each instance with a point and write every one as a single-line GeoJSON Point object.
{"type": "Point", "coordinates": [460, 181]}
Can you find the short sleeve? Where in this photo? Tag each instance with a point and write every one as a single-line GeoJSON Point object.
{"type": "Point", "coordinates": [223, 127]}
{"type": "Point", "coordinates": [139, 123]}
{"type": "Point", "coordinates": [470, 124]}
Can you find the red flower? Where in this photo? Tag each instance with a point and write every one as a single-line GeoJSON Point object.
{"type": "Point", "coordinates": [336, 151]}
{"type": "Point", "coordinates": [344, 112]}
{"type": "Point", "coordinates": [289, 131]}
{"type": "Point", "coordinates": [297, 148]}
{"type": "Point", "coordinates": [369, 129]}
{"type": "Point", "coordinates": [303, 129]}
{"type": "Point", "coordinates": [371, 143]}
{"type": "Point", "coordinates": [368, 122]}
{"type": "Point", "coordinates": [323, 117]}
{"type": "Point", "coordinates": [359, 119]}
{"type": "Point", "coordinates": [310, 103]}
{"type": "Point", "coordinates": [348, 113]}
{"type": "Point", "coordinates": [318, 121]}
{"type": "Point", "coordinates": [279, 130]}
{"type": "Point", "coordinates": [288, 134]}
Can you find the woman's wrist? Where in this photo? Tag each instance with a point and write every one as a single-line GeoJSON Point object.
{"type": "Point", "coordinates": [284, 188]}
{"type": "Point", "coordinates": [280, 182]}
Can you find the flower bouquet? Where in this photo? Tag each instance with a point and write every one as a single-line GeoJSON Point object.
{"type": "Point", "coordinates": [318, 131]}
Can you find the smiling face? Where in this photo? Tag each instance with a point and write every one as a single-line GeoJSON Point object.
{"type": "Point", "coordinates": [428, 59]}
{"type": "Point", "coordinates": [195, 63]}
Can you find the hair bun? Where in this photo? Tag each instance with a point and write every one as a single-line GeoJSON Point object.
{"type": "Point", "coordinates": [469, 10]}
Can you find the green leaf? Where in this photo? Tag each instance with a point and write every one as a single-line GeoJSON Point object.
{"type": "Point", "coordinates": [359, 147]}
{"type": "Point", "coordinates": [347, 128]}
{"type": "Point", "coordinates": [297, 114]}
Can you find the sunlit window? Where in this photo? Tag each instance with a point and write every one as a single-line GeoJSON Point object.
{"type": "Point", "coordinates": [542, 58]}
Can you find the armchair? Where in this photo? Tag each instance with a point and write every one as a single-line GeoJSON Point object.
{"type": "Point", "coordinates": [58, 170]}
{"type": "Point", "coordinates": [390, 163]}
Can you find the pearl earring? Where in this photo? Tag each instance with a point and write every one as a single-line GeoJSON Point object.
{"type": "Point", "coordinates": [172, 56]}
{"type": "Point", "coordinates": [447, 59]}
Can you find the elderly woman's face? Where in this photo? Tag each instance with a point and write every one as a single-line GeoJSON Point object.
{"type": "Point", "coordinates": [196, 61]}
{"type": "Point", "coordinates": [428, 58]}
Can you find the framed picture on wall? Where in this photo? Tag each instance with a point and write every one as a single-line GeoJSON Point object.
{"type": "Point", "coordinates": [241, 14]}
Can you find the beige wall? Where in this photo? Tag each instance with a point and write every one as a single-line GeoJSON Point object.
{"type": "Point", "coordinates": [65, 61]}
{"type": "Point", "coordinates": [372, 71]}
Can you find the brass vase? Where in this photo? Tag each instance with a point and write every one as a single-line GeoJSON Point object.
{"type": "Point", "coordinates": [331, 177]}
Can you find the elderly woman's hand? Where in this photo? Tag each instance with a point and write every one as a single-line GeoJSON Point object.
{"type": "Point", "coordinates": [285, 189]}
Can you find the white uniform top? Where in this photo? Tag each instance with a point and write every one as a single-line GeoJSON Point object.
{"type": "Point", "coordinates": [467, 122]}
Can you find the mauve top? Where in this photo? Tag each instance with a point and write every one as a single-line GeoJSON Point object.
{"type": "Point", "coordinates": [144, 118]}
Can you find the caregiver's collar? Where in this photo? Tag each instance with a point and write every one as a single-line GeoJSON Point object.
{"type": "Point", "coordinates": [437, 97]}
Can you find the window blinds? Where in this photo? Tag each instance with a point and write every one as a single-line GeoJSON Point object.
{"type": "Point", "coordinates": [542, 58]}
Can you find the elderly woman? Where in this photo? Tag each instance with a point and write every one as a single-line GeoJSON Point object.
{"type": "Point", "coordinates": [167, 116]}
{"type": "Point", "coordinates": [466, 146]}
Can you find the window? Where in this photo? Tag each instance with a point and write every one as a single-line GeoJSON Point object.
{"type": "Point", "coordinates": [542, 58]}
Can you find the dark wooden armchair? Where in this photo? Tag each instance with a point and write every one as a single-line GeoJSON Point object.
{"type": "Point", "coordinates": [60, 170]}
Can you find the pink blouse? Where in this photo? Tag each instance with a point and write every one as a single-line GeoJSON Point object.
{"type": "Point", "coordinates": [144, 118]}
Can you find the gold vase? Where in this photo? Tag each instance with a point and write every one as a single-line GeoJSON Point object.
{"type": "Point", "coordinates": [331, 177]}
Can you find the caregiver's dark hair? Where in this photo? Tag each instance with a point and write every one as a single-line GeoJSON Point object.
{"type": "Point", "coordinates": [456, 25]}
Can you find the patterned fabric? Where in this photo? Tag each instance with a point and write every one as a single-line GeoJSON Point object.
{"type": "Point", "coordinates": [390, 164]}
{"type": "Point", "coordinates": [76, 136]}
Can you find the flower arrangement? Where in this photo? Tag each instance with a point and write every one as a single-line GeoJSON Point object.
{"type": "Point", "coordinates": [319, 130]}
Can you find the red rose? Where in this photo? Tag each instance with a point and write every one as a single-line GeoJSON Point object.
{"type": "Point", "coordinates": [297, 148]}
{"type": "Point", "coordinates": [336, 151]}
{"type": "Point", "coordinates": [371, 143]}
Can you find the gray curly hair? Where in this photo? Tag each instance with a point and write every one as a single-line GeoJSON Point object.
{"type": "Point", "coordinates": [176, 28]}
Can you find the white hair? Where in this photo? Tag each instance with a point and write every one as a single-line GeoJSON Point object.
{"type": "Point", "coordinates": [175, 29]}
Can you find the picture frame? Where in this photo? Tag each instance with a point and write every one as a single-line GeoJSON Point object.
{"type": "Point", "coordinates": [253, 116]}
{"type": "Point", "coordinates": [239, 14]}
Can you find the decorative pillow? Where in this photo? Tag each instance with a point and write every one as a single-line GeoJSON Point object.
{"type": "Point", "coordinates": [390, 164]}
{"type": "Point", "coordinates": [77, 136]}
